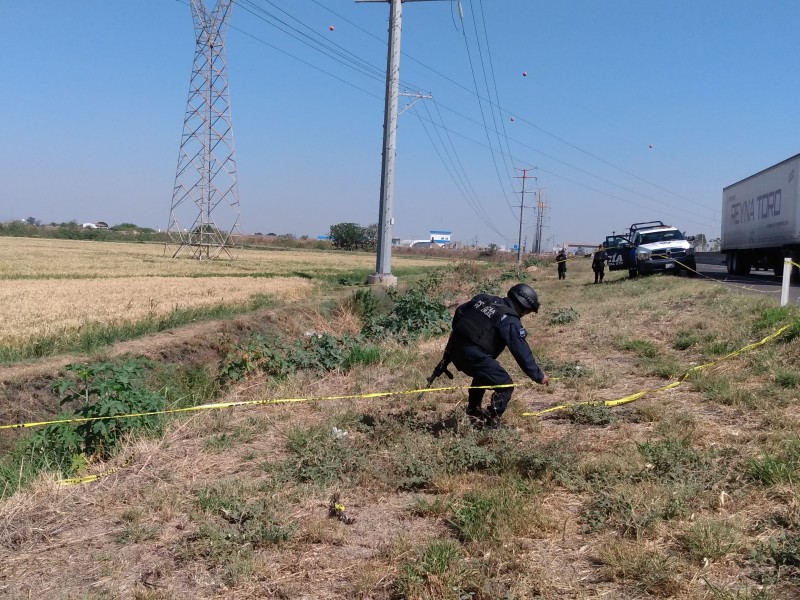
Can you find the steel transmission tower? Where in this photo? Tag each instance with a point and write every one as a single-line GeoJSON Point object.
{"type": "Point", "coordinates": [204, 217]}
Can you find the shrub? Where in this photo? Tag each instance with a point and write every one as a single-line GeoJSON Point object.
{"type": "Point", "coordinates": [102, 391]}
{"type": "Point", "coordinates": [591, 414]}
{"type": "Point", "coordinates": [414, 314]}
{"type": "Point", "coordinates": [364, 303]}
{"type": "Point", "coordinates": [319, 457]}
{"type": "Point", "coordinates": [563, 316]}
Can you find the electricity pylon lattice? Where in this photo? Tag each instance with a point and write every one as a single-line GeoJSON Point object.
{"type": "Point", "coordinates": [204, 217]}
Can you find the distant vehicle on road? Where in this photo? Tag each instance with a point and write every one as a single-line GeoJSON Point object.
{"type": "Point", "coordinates": [760, 222]}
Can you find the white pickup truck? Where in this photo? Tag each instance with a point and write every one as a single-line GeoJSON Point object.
{"type": "Point", "coordinates": [649, 248]}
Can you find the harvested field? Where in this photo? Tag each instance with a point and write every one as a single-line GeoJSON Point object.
{"type": "Point", "coordinates": [31, 258]}
{"type": "Point", "coordinates": [54, 287]}
{"type": "Point", "coordinates": [42, 307]}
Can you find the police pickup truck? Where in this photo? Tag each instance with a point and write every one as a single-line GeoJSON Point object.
{"type": "Point", "coordinates": [649, 248]}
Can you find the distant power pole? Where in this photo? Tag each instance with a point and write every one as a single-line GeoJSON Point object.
{"type": "Point", "coordinates": [541, 205]}
{"type": "Point", "coordinates": [522, 207]}
{"type": "Point", "coordinates": [204, 216]}
{"type": "Point", "coordinates": [383, 263]}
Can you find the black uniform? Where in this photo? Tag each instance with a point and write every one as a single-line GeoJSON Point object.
{"type": "Point", "coordinates": [561, 259]}
{"type": "Point", "coordinates": [599, 265]}
{"type": "Point", "coordinates": [482, 329]}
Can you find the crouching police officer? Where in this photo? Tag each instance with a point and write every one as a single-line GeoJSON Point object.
{"type": "Point", "coordinates": [482, 329]}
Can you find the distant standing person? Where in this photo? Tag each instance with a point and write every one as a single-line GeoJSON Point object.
{"type": "Point", "coordinates": [561, 260]}
{"type": "Point", "coordinates": [599, 264]}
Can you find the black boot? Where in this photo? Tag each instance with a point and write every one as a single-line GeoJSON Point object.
{"type": "Point", "coordinates": [477, 416]}
{"type": "Point", "coordinates": [494, 419]}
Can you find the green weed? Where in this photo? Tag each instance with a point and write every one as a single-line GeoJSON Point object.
{"type": "Point", "coordinates": [591, 414]}
{"type": "Point", "coordinates": [782, 467]}
{"type": "Point", "coordinates": [720, 348]}
{"type": "Point", "coordinates": [710, 540]}
{"type": "Point", "coordinates": [481, 515]}
{"type": "Point", "coordinates": [771, 317]}
{"type": "Point", "coordinates": [101, 391]}
{"type": "Point", "coordinates": [776, 560]}
{"type": "Point", "coordinates": [787, 379]}
{"type": "Point", "coordinates": [685, 339]}
{"type": "Point", "coordinates": [438, 571]}
{"type": "Point", "coordinates": [319, 457]}
{"type": "Point", "coordinates": [368, 354]}
{"type": "Point", "coordinates": [642, 348]}
{"type": "Point", "coordinates": [648, 570]}
{"type": "Point", "coordinates": [563, 316]}
{"type": "Point", "coordinates": [188, 385]}
{"type": "Point", "coordinates": [717, 593]}
{"type": "Point", "coordinates": [663, 367]}
{"type": "Point", "coordinates": [364, 303]}
{"type": "Point", "coordinates": [417, 312]}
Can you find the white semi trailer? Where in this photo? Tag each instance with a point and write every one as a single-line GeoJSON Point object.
{"type": "Point", "coordinates": [760, 220]}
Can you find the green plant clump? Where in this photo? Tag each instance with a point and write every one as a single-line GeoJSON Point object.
{"type": "Point", "coordinates": [563, 316]}
{"type": "Point", "coordinates": [102, 391]}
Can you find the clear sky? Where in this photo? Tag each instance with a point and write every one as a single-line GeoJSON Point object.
{"type": "Point", "coordinates": [631, 110]}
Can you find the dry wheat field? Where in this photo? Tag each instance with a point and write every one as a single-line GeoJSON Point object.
{"type": "Point", "coordinates": [50, 287]}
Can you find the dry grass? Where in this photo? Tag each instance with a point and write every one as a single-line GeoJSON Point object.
{"type": "Point", "coordinates": [688, 532]}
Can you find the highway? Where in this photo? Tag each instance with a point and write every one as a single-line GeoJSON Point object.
{"type": "Point", "coordinates": [712, 265]}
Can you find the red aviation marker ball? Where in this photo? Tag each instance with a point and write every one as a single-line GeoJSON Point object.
{"type": "Point", "coordinates": [524, 73]}
{"type": "Point", "coordinates": [331, 27]}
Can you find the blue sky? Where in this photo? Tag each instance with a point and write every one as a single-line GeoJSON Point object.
{"type": "Point", "coordinates": [631, 110]}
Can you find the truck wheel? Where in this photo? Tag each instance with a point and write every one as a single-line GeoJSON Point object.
{"type": "Point", "coordinates": [633, 273]}
{"type": "Point", "coordinates": [738, 263]}
{"type": "Point", "coordinates": [729, 262]}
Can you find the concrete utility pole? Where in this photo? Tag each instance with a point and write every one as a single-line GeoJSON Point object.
{"type": "Point", "coordinates": [524, 178]}
{"type": "Point", "coordinates": [383, 264]}
{"type": "Point", "coordinates": [541, 205]}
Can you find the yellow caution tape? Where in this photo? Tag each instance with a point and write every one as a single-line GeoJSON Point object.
{"type": "Point", "coordinates": [218, 405]}
{"type": "Point", "coordinates": [90, 478]}
{"type": "Point", "coordinates": [725, 283]}
{"type": "Point", "coordinates": [795, 264]}
{"type": "Point", "coordinates": [669, 386]}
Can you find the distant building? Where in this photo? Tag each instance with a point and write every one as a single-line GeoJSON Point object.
{"type": "Point", "coordinates": [98, 225]}
{"type": "Point", "coordinates": [440, 237]}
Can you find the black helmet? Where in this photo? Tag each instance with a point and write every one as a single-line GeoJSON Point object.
{"type": "Point", "coordinates": [525, 296]}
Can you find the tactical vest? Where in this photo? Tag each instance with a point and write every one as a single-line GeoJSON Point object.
{"type": "Point", "coordinates": [477, 324]}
